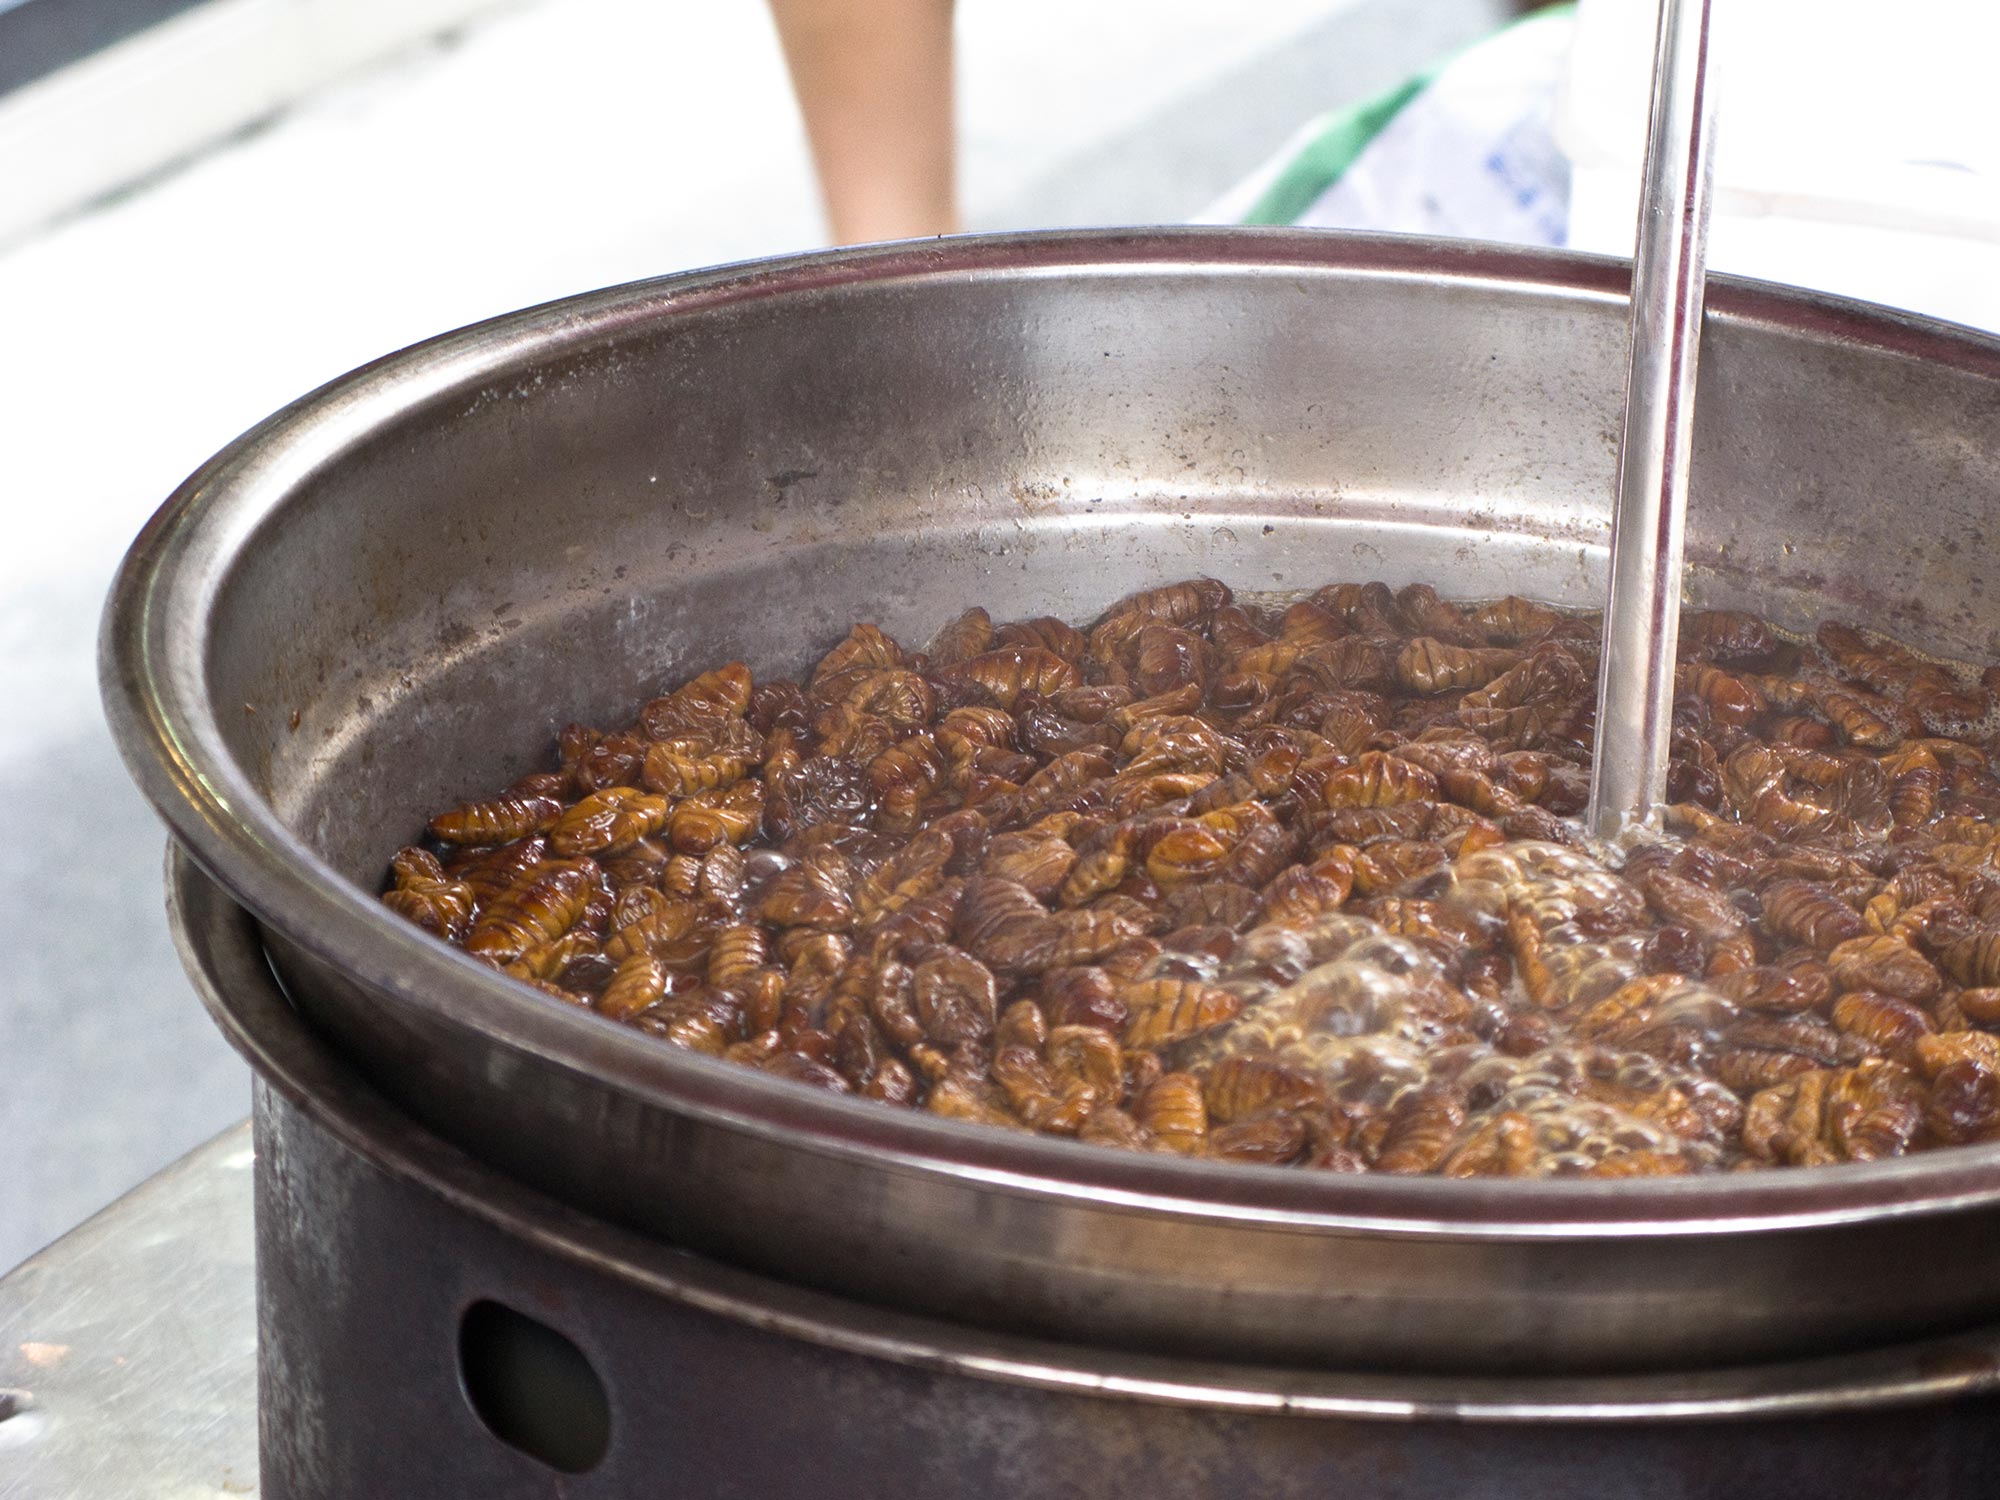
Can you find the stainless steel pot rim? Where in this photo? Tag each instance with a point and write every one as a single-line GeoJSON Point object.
{"type": "Point", "coordinates": [153, 652]}
{"type": "Point", "coordinates": [219, 945]}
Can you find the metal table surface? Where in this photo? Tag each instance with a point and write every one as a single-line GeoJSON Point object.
{"type": "Point", "coordinates": [128, 1348]}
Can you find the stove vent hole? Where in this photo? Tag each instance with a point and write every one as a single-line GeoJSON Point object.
{"type": "Point", "coordinates": [533, 1388]}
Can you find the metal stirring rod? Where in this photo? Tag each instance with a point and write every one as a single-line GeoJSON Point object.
{"type": "Point", "coordinates": [1635, 688]}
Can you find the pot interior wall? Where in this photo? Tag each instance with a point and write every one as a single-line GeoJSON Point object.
{"type": "Point", "coordinates": [663, 487]}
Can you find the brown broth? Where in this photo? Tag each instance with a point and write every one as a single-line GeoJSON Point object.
{"type": "Point", "coordinates": [1291, 883]}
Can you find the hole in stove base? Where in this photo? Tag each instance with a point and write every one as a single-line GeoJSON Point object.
{"type": "Point", "coordinates": [20, 1423]}
{"type": "Point", "coordinates": [533, 1388]}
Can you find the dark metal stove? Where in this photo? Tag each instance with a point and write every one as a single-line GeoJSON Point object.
{"type": "Point", "coordinates": [379, 1252]}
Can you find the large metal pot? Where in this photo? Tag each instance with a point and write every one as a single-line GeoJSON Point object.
{"type": "Point", "coordinates": [390, 594]}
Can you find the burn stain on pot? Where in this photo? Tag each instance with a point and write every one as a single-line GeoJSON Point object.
{"type": "Point", "coordinates": [455, 635]}
{"type": "Point", "coordinates": [784, 479]}
{"type": "Point", "coordinates": [1037, 497]}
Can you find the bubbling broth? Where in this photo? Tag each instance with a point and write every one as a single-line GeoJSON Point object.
{"type": "Point", "coordinates": [1289, 883]}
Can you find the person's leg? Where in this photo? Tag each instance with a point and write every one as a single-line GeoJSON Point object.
{"type": "Point", "coordinates": [874, 82]}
